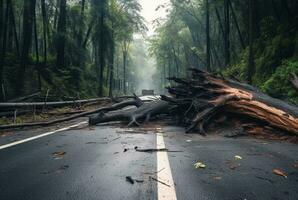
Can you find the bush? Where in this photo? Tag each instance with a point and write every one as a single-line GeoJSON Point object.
{"type": "Point", "coordinates": [279, 85]}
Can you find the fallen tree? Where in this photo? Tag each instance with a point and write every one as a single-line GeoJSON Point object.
{"type": "Point", "coordinates": [135, 102]}
{"type": "Point", "coordinates": [205, 95]}
{"type": "Point", "coordinates": [10, 105]}
{"type": "Point", "coordinates": [144, 112]}
{"type": "Point", "coordinates": [198, 99]}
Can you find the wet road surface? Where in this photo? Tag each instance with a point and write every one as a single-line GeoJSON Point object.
{"type": "Point", "coordinates": [90, 163]}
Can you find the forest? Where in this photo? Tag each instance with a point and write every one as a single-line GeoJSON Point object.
{"type": "Point", "coordinates": [90, 48]}
{"type": "Point", "coordinates": [250, 41]}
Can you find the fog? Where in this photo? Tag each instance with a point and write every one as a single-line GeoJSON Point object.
{"type": "Point", "coordinates": [143, 66]}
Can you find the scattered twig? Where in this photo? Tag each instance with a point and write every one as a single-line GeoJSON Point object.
{"type": "Point", "coordinates": [159, 181]}
{"type": "Point", "coordinates": [130, 180]}
{"type": "Point", "coordinates": [154, 172]}
{"type": "Point", "coordinates": [151, 150]}
{"type": "Point", "coordinates": [115, 139]}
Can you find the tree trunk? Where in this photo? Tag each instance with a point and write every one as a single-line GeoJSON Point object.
{"type": "Point", "coordinates": [111, 64]}
{"type": "Point", "coordinates": [37, 66]}
{"type": "Point", "coordinates": [44, 29]}
{"type": "Point", "coordinates": [61, 36]}
{"type": "Point", "coordinates": [237, 25]}
{"type": "Point", "coordinates": [28, 18]}
{"type": "Point", "coordinates": [102, 45]}
{"type": "Point", "coordinates": [251, 64]}
{"type": "Point", "coordinates": [227, 32]}
{"type": "Point", "coordinates": [3, 47]}
{"type": "Point", "coordinates": [207, 37]}
{"type": "Point", "coordinates": [13, 21]}
{"type": "Point", "coordinates": [124, 71]}
{"type": "Point", "coordinates": [143, 112]}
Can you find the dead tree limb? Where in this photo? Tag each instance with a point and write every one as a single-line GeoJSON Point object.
{"type": "Point", "coordinates": [50, 104]}
{"type": "Point", "coordinates": [132, 115]}
{"type": "Point", "coordinates": [137, 102]}
{"type": "Point", "coordinates": [212, 95]}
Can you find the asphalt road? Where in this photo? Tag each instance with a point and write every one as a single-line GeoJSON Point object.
{"type": "Point", "coordinates": [95, 166]}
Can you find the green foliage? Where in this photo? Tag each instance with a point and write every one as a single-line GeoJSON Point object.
{"type": "Point", "coordinates": [279, 84]}
{"type": "Point", "coordinates": [238, 70]}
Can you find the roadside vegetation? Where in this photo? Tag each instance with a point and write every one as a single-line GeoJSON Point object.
{"type": "Point", "coordinates": [251, 41]}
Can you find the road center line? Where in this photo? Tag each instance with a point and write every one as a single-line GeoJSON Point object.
{"type": "Point", "coordinates": [40, 136]}
{"type": "Point", "coordinates": [164, 175]}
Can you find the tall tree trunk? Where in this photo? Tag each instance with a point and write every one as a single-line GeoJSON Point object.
{"type": "Point", "coordinates": [37, 66]}
{"type": "Point", "coordinates": [3, 42]}
{"type": "Point", "coordinates": [1, 21]}
{"type": "Point", "coordinates": [251, 64]}
{"type": "Point", "coordinates": [237, 25]}
{"type": "Point", "coordinates": [124, 71]}
{"type": "Point", "coordinates": [275, 10]}
{"type": "Point", "coordinates": [227, 33]}
{"type": "Point", "coordinates": [61, 33]}
{"type": "Point", "coordinates": [219, 21]}
{"type": "Point", "coordinates": [207, 37]}
{"type": "Point", "coordinates": [102, 48]}
{"type": "Point", "coordinates": [28, 18]}
{"type": "Point", "coordinates": [44, 29]}
{"type": "Point", "coordinates": [56, 14]}
{"type": "Point", "coordinates": [13, 21]}
{"type": "Point", "coordinates": [111, 64]}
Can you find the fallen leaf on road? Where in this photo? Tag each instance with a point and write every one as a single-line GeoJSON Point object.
{"type": "Point", "coordinates": [217, 178]}
{"type": "Point", "coordinates": [238, 157]}
{"type": "Point", "coordinates": [58, 155]}
{"type": "Point", "coordinates": [199, 165]}
{"type": "Point", "coordinates": [279, 173]}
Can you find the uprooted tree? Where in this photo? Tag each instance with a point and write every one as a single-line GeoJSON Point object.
{"type": "Point", "coordinates": [201, 97]}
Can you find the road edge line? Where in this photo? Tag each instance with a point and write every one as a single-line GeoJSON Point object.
{"type": "Point", "coordinates": [40, 136]}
